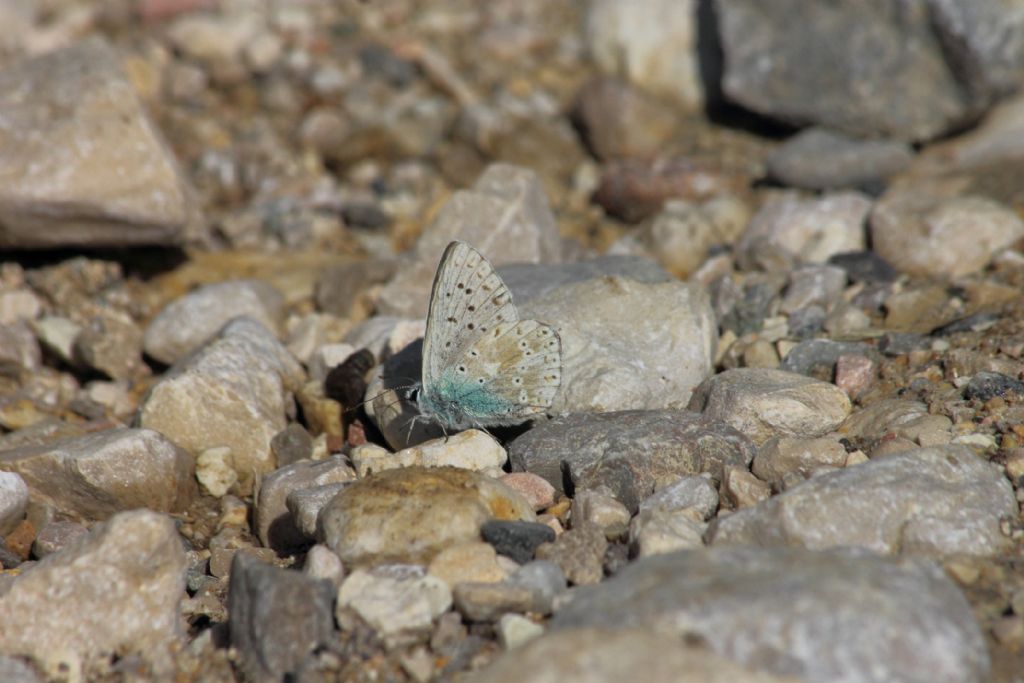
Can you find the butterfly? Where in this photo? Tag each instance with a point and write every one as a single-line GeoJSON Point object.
{"type": "Point", "coordinates": [482, 365]}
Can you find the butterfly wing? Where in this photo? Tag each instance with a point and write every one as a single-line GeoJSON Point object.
{"type": "Point", "coordinates": [467, 302]}
{"type": "Point", "coordinates": [482, 366]}
{"type": "Point", "coordinates": [527, 370]}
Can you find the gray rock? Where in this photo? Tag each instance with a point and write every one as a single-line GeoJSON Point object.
{"type": "Point", "coordinates": [617, 120]}
{"type": "Point", "coordinates": [821, 159]}
{"type": "Point", "coordinates": [305, 505]}
{"type": "Point", "coordinates": [989, 35]}
{"type": "Point", "coordinates": [813, 285]}
{"type": "Point", "coordinates": [489, 601]}
{"type": "Point", "coordinates": [291, 444]}
{"type": "Point", "coordinates": [821, 616]}
{"type": "Point", "coordinates": [693, 491]}
{"type": "Point", "coordinates": [927, 234]}
{"type": "Point", "coordinates": [94, 476]}
{"type": "Point", "coordinates": [19, 350]}
{"type": "Point", "coordinates": [14, 499]}
{"type": "Point", "coordinates": [893, 61]}
{"type": "Point", "coordinates": [70, 176]}
{"type": "Point", "coordinates": [652, 43]}
{"type": "Point", "coordinates": [579, 553]}
{"type": "Point", "coordinates": [529, 281]}
{"type": "Point", "coordinates": [57, 334]}
{"type": "Point", "coordinates": [400, 602]}
{"type": "Point", "coordinates": [655, 532]}
{"type": "Point", "coordinates": [206, 401]}
{"type": "Point", "coordinates": [818, 357]}
{"type": "Point", "coordinates": [781, 461]}
{"type": "Point", "coordinates": [14, 670]}
{"type": "Point", "coordinates": [115, 592]}
{"type": "Point", "coordinates": [631, 453]}
{"type": "Point", "coordinates": [896, 416]}
{"type": "Point", "coordinates": [340, 288]}
{"type": "Point", "coordinates": [56, 536]}
{"type": "Point", "coordinates": [409, 515]}
{"type": "Point", "coordinates": [278, 618]}
{"type": "Point", "coordinates": [936, 501]}
{"type": "Point", "coordinates": [505, 216]}
{"type": "Point", "coordinates": [761, 403]}
{"type": "Point", "coordinates": [190, 321]}
{"type": "Point", "coordinates": [628, 345]}
{"type": "Point", "coordinates": [547, 581]}
{"type": "Point", "coordinates": [111, 343]}
{"type": "Point", "coordinates": [811, 230]}
{"type": "Point", "coordinates": [604, 655]}
{"type": "Point", "coordinates": [274, 524]}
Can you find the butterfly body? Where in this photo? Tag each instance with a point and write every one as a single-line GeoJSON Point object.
{"type": "Point", "coordinates": [482, 365]}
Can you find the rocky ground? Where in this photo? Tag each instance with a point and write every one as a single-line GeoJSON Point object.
{"type": "Point", "coordinates": [784, 258]}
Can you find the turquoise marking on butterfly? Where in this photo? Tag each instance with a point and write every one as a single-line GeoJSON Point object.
{"type": "Point", "coordinates": [482, 365]}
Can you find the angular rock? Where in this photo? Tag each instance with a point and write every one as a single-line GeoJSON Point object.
{"type": "Point", "coordinates": [923, 233]}
{"type": "Point", "coordinates": [579, 552]}
{"type": "Point", "coordinates": [804, 72]}
{"type": "Point", "coordinates": [115, 592]}
{"type": "Point", "coordinates": [14, 497]}
{"type": "Point", "coordinates": [655, 532]}
{"type": "Point", "coordinates": [936, 502]}
{"type": "Point", "coordinates": [19, 350]}
{"type": "Point", "coordinates": [471, 450]}
{"type": "Point", "coordinates": [821, 616]}
{"type": "Point", "coordinates": [812, 230]}
{"type": "Point", "coordinates": [305, 505]}
{"type": "Point", "coordinates": [990, 36]}
{"type": "Point", "coordinates": [604, 655]}
{"type": "Point", "coordinates": [188, 322]}
{"type": "Point", "coordinates": [516, 539]}
{"type": "Point", "coordinates": [277, 618]}
{"type": "Point", "coordinates": [82, 164]}
{"type": "Point", "coordinates": [630, 452]}
{"type": "Point", "coordinates": [110, 343]}
{"type": "Point", "coordinates": [652, 43]}
{"type": "Point", "coordinates": [525, 231]}
{"type": "Point", "coordinates": [602, 510]}
{"type": "Point", "coordinates": [94, 476]}
{"type": "Point", "coordinates": [205, 401]}
{"type": "Point", "coordinates": [628, 345]}
{"type": "Point", "coordinates": [761, 403]}
{"type": "Point", "coordinates": [274, 524]}
{"type": "Point", "coordinates": [399, 602]}
{"type": "Point", "coordinates": [411, 514]}
{"type": "Point", "coordinates": [693, 491]}
{"type": "Point", "coordinates": [821, 159]}
{"type": "Point", "coordinates": [781, 460]}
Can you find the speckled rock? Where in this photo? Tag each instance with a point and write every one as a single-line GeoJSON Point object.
{"type": "Point", "coordinates": [810, 229]}
{"type": "Point", "coordinates": [929, 501]}
{"type": "Point", "coordinates": [19, 350]}
{"type": "Point", "coordinates": [116, 592]}
{"type": "Point", "coordinates": [56, 536]}
{"type": "Point", "coordinates": [631, 453]}
{"type": "Point", "coordinates": [92, 477]}
{"type": "Point", "coordinates": [696, 492]}
{"type": "Point", "coordinates": [14, 499]}
{"type": "Point", "coordinates": [579, 552]}
{"type": "Point", "coordinates": [525, 231]}
{"type": "Point", "coordinates": [411, 514]}
{"type": "Point", "coordinates": [821, 616]}
{"type": "Point", "coordinates": [274, 524]}
{"type": "Point", "coordinates": [628, 345]}
{"type": "Point", "coordinates": [205, 401]}
{"type": "Point", "coordinates": [923, 234]}
{"type": "Point", "coordinates": [803, 72]}
{"type": "Point", "coordinates": [604, 655]}
{"type": "Point", "coordinates": [784, 461]}
{"type": "Point", "coordinates": [399, 602]}
{"type": "Point", "coordinates": [652, 43]}
{"type": "Point", "coordinates": [659, 531]}
{"type": "Point", "coordinates": [277, 618]}
{"type": "Point", "coordinates": [190, 321]}
{"type": "Point", "coordinates": [83, 165]}
{"type": "Point", "coordinates": [471, 450]}
{"type": "Point", "coordinates": [762, 403]}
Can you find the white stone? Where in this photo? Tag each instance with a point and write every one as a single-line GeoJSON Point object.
{"type": "Point", "coordinates": [401, 608]}
{"type": "Point", "coordinates": [515, 630]}
{"type": "Point", "coordinates": [215, 472]}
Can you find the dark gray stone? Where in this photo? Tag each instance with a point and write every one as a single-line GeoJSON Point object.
{"type": "Point", "coordinates": [817, 357]}
{"type": "Point", "coordinates": [864, 266]}
{"type": "Point", "coordinates": [820, 159]}
{"type": "Point", "coordinates": [291, 444]}
{"type": "Point", "coordinates": [820, 616]}
{"type": "Point", "coordinates": [529, 281]}
{"type": "Point", "coordinates": [986, 385]}
{"type": "Point", "coordinates": [516, 539]}
{"type": "Point", "coordinates": [869, 68]}
{"type": "Point", "coordinates": [278, 618]}
{"type": "Point", "coordinates": [629, 451]}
